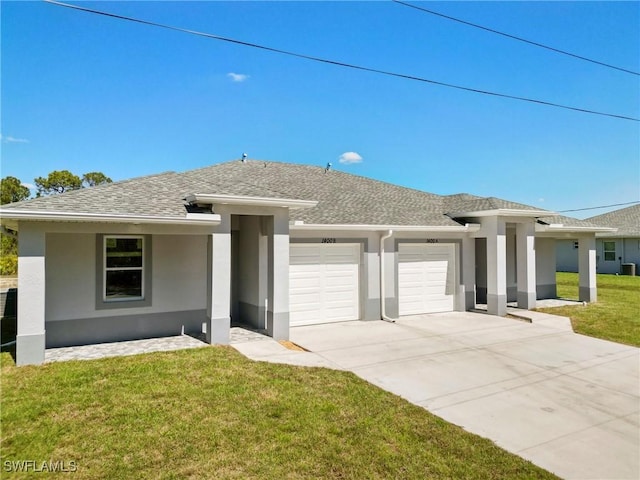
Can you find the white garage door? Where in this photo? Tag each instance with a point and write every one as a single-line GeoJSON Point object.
{"type": "Point", "coordinates": [324, 282]}
{"type": "Point", "coordinates": [426, 278]}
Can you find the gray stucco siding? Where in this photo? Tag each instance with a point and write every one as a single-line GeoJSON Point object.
{"type": "Point", "coordinates": [178, 277]}
{"type": "Point", "coordinates": [85, 331]}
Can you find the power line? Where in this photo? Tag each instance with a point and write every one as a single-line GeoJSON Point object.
{"type": "Point", "coordinates": [596, 208]}
{"type": "Point", "coordinates": [337, 63]}
{"type": "Point", "coordinates": [520, 39]}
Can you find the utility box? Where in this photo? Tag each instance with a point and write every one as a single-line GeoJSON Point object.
{"type": "Point", "coordinates": [629, 269]}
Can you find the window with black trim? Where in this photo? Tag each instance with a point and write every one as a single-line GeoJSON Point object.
{"type": "Point", "coordinates": [123, 268]}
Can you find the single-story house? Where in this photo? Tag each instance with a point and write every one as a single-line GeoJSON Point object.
{"type": "Point", "coordinates": [615, 249]}
{"type": "Point", "coordinates": [272, 245]}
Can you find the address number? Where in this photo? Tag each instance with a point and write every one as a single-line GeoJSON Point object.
{"type": "Point", "coordinates": [328, 240]}
{"type": "Point", "coordinates": [432, 240]}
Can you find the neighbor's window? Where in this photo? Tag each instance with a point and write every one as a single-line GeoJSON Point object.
{"type": "Point", "coordinates": [123, 268]}
{"type": "Point", "coordinates": [609, 251]}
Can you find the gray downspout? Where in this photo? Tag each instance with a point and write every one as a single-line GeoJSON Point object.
{"type": "Point", "coordinates": [383, 314]}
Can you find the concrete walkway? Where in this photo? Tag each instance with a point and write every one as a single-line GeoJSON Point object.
{"type": "Point", "coordinates": [567, 402]}
{"type": "Point", "coordinates": [252, 344]}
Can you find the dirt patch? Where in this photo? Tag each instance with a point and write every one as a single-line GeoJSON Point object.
{"type": "Point", "coordinates": [292, 346]}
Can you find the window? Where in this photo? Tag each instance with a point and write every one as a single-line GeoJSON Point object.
{"type": "Point", "coordinates": [609, 251]}
{"type": "Point", "coordinates": [123, 268]}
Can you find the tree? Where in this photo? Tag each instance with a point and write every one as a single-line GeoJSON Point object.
{"type": "Point", "coordinates": [58, 181]}
{"type": "Point", "coordinates": [92, 179]}
{"type": "Point", "coordinates": [12, 190]}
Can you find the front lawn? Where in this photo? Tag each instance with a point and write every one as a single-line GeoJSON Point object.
{"type": "Point", "coordinates": [616, 314]}
{"type": "Point", "coordinates": [212, 413]}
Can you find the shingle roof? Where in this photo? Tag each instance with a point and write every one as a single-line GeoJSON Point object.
{"type": "Point", "coordinates": [342, 198]}
{"type": "Point", "coordinates": [626, 220]}
{"type": "Point", "coordinates": [463, 202]}
{"type": "Point", "coordinates": [568, 221]}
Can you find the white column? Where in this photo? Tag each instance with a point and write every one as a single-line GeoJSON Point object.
{"type": "Point", "coordinates": [278, 291]}
{"type": "Point", "coordinates": [526, 265]}
{"type": "Point", "coordinates": [468, 273]}
{"type": "Point", "coordinates": [496, 266]}
{"type": "Point", "coordinates": [219, 283]}
{"type": "Point", "coordinates": [30, 339]}
{"type": "Point", "coordinates": [587, 268]}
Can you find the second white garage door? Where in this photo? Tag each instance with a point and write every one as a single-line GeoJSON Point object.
{"type": "Point", "coordinates": [324, 283]}
{"type": "Point", "coordinates": [426, 278]}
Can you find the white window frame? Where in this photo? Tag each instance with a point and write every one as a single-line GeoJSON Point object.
{"type": "Point", "coordinates": [605, 251]}
{"type": "Point", "coordinates": [106, 269]}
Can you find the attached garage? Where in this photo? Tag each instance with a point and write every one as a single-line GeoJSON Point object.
{"type": "Point", "coordinates": [426, 278]}
{"type": "Point", "coordinates": [324, 282]}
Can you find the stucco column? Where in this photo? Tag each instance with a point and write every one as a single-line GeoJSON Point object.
{"type": "Point", "coordinates": [496, 266]}
{"type": "Point", "coordinates": [219, 283]}
{"type": "Point", "coordinates": [278, 272]}
{"type": "Point", "coordinates": [468, 270]}
{"type": "Point", "coordinates": [526, 265]}
{"type": "Point", "coordinates": [30, 340]}
{"type": "Point", "coordinates": [587, 268]}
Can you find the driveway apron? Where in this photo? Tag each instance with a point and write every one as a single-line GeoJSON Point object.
{"type": "Point", "coordinates": [567, 402]}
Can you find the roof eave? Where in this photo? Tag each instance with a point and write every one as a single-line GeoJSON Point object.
{"type": "Point", "coordinates": [35, 215]}
{"type": "Point", "coordinates": [559, 227]}
{"type": "Point", "coordinates": [503, 212]}
{"type": "Point", "coordinates": [300, 226]}
{"type": "Point", "coordinates": [211, 199]}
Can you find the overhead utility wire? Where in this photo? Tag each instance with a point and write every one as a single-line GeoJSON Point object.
{"type": "Point", "coordinates": [596, 208]}
{"type": "Point", "coordinates": [334, 62]}
{"type": "Point", "coordinates": [520, 39]}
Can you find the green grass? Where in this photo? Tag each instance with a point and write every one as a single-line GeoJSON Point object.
{"type": "Point", "coordinates": [212, 413]}
{"type": "Point", "coordinates": [616, 314]}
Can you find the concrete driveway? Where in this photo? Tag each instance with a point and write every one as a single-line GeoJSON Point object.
{"type": "Point", "coordinates": [567, 402]}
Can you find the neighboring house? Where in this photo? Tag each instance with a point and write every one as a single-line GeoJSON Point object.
{"type": "Point", "coordinates": [271, 245]}
{"type": "Point", "coordinates": [613, 248]}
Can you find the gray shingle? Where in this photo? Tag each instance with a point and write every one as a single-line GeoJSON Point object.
{"type": "Point", "coordinates": [626, 220]}
{"type": "Point", "coordinates": [342, 198]}
{"type": "Point", "coordinates": [567, 221]}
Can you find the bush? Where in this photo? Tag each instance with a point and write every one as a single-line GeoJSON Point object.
{"type": "Point", "coordinates": [9, 265]}
{"type": "Point", "coordinates": [8, 255]}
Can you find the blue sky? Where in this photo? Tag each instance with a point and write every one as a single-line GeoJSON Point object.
{"type": "Point", "coordinates": [85, 92]}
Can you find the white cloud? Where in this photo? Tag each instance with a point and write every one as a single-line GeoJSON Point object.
{"type": "Point", "coordinates": [350, 157]}
{"type": "Point", "coordinates": [30, 186]}
{"type": "Point", "coordinates": [9, 139]}
{"type": "Point", "coordinates": [237, 77]}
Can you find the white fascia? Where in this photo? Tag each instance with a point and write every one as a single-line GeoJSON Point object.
{"type": "Point", "coordinates": [210, 199]}
{"type": "Point", "coordinates": [189, 219]}
{"type": "Point", "coordinates": [301, 226]}
{"type": "Point", "coordinates": [504, 212]}
{"type": "Point", "coordinates": [560, 228]}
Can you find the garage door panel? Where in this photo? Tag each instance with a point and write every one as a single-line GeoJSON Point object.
{"type": "Point", "coordinates": [426, 278]}
{"type": "Point", "coordinates": [324, 283]}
